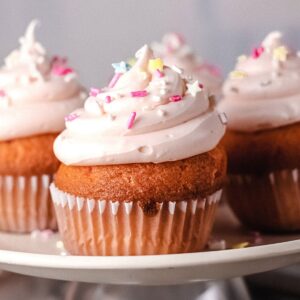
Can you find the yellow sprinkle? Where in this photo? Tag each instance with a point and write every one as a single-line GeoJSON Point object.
{"type": "Point", "coordinates": [155, 64]}
{"type": "Point", "coordinates": [241, 58]}
{"type": "Point", "coordinates": [131, 61]}
{"type": "Point", "coordinates": [280, 53]}
{"type": "Point", "coordinates": [236, 74]}
{"type": "Point", "coordinates": [240, 245]}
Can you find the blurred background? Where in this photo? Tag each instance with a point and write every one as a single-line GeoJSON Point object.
{"type": "Point", "coordinates": [94, 33]}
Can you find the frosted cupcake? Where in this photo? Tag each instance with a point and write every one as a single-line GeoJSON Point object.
{"type": "Point", "coordinates": [142, 172]}
{"type": "Point", "coordinates": [36, 92]}
{"type": "Point", "coordinates": [176, 53]}
{"type": "Point", "coordinates": [262, 102]}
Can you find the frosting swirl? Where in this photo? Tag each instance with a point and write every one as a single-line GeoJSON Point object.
{"type": "Point", "coordinates": [264, 90]}
{"type": "Point", "coordinates": [148, 114]}
{"type": "Point", "coordinates": [36, 91]}
{"type": "Point", "coordinates": [175, 52]}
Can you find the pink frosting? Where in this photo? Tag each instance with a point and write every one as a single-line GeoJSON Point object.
{"type": "Point", "coordinates": [264, 91]}
{"type": "Point", "coordinates": [175, 52]}
{"type": "Point", "coordinates": [36, 91]}
{"type": "Point", "coordinates": [147, 116]}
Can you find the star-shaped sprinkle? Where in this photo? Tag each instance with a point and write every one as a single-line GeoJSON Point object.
{"type": "Point", "coordinates": [121, 67]}
{"type": "Point", "coordinates": [155, 64]}
{"type": "Point", "coordinates": [236, 74]}
{"type": "Point", "coordinates": [194, 88]}
{"type": "Point", "coordinates": [280, 53]}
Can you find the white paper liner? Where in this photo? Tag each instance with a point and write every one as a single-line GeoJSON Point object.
{"type": "Point", "coordinates": [268, 201]}
{"type": "Point", "coordinates": [25, 204]}
{"type": "Point", "coordinates": [103, 227]}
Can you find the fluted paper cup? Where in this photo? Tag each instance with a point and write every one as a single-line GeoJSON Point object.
{"type": "Point", "coordinates": [103, 227]}
{"type": "Point", "coordinates": [25, 204]}
{"type": "Point", "coordinates": [267, 202]}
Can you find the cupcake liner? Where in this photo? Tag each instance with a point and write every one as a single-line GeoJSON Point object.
{"type": "Point", "coordinates": [25, 204]}
{"type": "Point", "coordinates": [103, 227]}
{"type": "Point", "coordinates": [267, 201]}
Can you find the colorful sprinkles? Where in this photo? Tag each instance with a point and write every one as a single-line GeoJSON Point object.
{"type": "Point", "coordinates": [280, 53]}
{"type": "Point", "coordinates": [143, 93]}
{"type": "Point", "coordinates": [175, 98]}
{"type": "Point", "coordinates": [94, 92]}
{"type": "Point", "coordinates": [114, 80]}
{"type": "Point", "coordinates": [61, 70]}
{"type": "Point", "coordinates": [121, 67]}
{"type": "Point", "coordinates": [131, 120]}
{"type": "Point", "coordinates": [155, 64]}
{"type": "Point", "coordinates": [194, 88]}
{"type": "Point", "coordinates": [236, 74]}
{"type": "Point", "coordinates": [71, 117]}
{"type": "Point", "coordinates": [257, 52]}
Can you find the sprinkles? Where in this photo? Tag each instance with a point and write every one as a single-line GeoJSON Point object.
{"type": "Point", "coordinates": [2, 93]}
{"type": "Point", "coordinates": [155, 64]}
{"type": "Point", "coordinates": [257, 52]}
{"type": "Point", "coordinates": [61, 71]}
{"type": "Point", "coordinates": [280, 53]}
{"type": "Point", "coordinates": [159, 73]}
{"type": "Point", "coordinates": [175, 98]}
{"type": "Point", "coordinates": [177, 69]}
{"type": "Point", "coordinates": [108, 99]}
{"type": "Point", "coordinates": [194, 88]}
{"type": "Point", "coordinates": [131, 120]}
{"type": "Point", "coordinates": [236, 74]}
{"type": "Point", "coordinates": [114, 80]}
{"type": "Point", "coordinates": [143, 93]}
{"type": "Point", "coordinates": [94, 92]}
{"type": "Point", "coordinates": [121, 67]}
{"type": "Point", "coordinates": [71, 117]}
{"type": "Point", "coordinates": [223, 118]}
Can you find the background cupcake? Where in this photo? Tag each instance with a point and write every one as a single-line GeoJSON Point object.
{"type": "Point", "coordinates": [36, 92]}
{"type": "Point", "coordinates": [141, 170]}
{"type": "Point", "coordinates": [175, 52]}
{"type": "Point", "coordinates": [262, 102]}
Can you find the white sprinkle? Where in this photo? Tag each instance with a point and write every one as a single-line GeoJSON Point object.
{"type": "Point", "coordinates": [177, 69]}
{"type": "Point", "coordinates": [223, 118]}
{"type": "Point", "coordinates": [163, 92]}
{"type": "Point", "coordinates": [69, 77]}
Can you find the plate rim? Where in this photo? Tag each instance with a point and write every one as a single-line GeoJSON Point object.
{"type": "Point", "coordinates": [182, 260]}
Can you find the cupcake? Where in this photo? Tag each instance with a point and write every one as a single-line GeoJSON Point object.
{"type": "Point", "coordinates": [141, 167]}
{"type": "Point", "coordinates": [176, 53]}
{"type": "Point", "coordinates": [262, 102]}
{"type": "Point", "coordinates": [36, 92]}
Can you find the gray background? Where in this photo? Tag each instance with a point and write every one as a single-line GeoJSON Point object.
{"type": "Point", "coordinates": [95, 33]}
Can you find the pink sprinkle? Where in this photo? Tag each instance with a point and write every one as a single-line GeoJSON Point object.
{"type": "Point", "coordinates": [159, 73]}
{"type": "Point", "coordinates": [131, 120]}
{"type": "Point", "coordinates": [71, 117]}
{"type": "Point", "coordinates": [2, 93]}
{"type": "Point", "coordinates": [139, 93]}
{"type": "Point", "coordinates": [114, 80]}
{"type": "Point", "coordinates": [257, 52]}
{"type": "Point", "coordinates": [94, 92]}
{"type": "Point", "coordinates": [61, 71]}
{"type": "Point", "coordinates": [108, 99]}
{"type": "Point", "coordinates": [175, 98]}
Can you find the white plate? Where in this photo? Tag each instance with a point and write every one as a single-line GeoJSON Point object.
{"type": "Point", "coordinates": [25, 255]}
